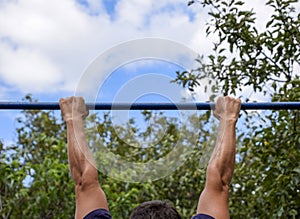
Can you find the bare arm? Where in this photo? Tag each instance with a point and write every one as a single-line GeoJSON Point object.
{"type": "Point", "coordinates": [215, 196]}
{"type": "Point", "coordinates": [89, 195]}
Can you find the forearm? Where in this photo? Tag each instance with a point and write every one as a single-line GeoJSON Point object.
{"type": "Point", "coordinates": [223, 157]}
{"type": "Point", "coordinates": [214, 198]}
{"type": "Point", "coordinates": [89, 196]}
{"type": "Point", "coordinates": [80, 157]}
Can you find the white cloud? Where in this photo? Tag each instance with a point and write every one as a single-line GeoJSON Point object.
{"type": "Point", "coordinates": [51, 42]}
{"type": "Point", "coordinates": [133, 12]}
{"type": "Point", "coordinates": [28, 66]}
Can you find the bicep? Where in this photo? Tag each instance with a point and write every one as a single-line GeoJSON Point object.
{"type": "Point", "coordinates": [89, 195]}
{"type": "Point", "coordinates": [213, 203]}
{"type": "Point", "coordinates": [214, 198]}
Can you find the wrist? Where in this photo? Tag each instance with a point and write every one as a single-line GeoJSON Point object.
{"type": "Point", "coordinates": [229, 120]}
{"type": "Point", "coordinates": [73, 119]}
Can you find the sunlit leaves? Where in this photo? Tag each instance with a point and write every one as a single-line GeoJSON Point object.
{"type": "Point", "coordinates": [244, 55]}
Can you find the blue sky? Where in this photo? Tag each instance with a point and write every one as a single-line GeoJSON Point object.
{"type": "Point", "coordinates": [45, 46]}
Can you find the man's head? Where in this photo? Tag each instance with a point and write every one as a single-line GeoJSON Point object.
{"type": "Point", "coordinates": [155, 210]}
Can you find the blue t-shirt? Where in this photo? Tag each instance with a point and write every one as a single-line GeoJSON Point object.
{"type": "Point", "coordinates": [104, 214]}
{"type": "Point", "coordinates": [98, 214]}
{"type": "Point", "coordinates": [202, 216]}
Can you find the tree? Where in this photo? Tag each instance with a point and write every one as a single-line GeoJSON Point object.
{"type": "Point", "coordinates": [35, 179]}
{"type": "Point", "coordinates": [266, 183]}
{"type": "Point", "coordinates": [34, 173]}
{"type": "Point", "coordinates": [243, 56]}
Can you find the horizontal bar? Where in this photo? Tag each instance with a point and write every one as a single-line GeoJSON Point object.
{"type": "Point", "coordinates": [149, 106]}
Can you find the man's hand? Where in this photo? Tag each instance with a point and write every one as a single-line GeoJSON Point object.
{"type": "Point", "coordinates": [73, 108]}
{"type": "Point", "coordinates": [227, 108]}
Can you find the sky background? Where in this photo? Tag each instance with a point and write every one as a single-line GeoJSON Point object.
{"type": "Point", "coordinates": [45, 46]}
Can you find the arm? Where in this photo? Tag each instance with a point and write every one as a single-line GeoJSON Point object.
{"type": "Point", "coordinates": [215, 196]}
{"type": "Point", "coordinates": [89, 195]}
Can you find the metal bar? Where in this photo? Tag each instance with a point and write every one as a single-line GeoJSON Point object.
{"type": "Point", "coordinates": [149, 106]}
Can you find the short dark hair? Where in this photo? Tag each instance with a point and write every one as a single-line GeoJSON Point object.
{"type": "Point", "coordinates": [156, 209]}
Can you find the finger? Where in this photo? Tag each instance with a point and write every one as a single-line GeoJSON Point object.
{"type": "Point", "coordinates": [79, 101]}
{"type": "Point", "coordinates": [238, 102]}
{"type": "Point", "coordinates": [216, 114]}
{"type": "Point", "coordinates": [61, 101]}
{"type": "Point", "coordinates": [86, 113]}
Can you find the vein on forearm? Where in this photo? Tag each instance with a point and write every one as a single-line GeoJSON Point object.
{"type": "Point", "coordinates": [77, 148]}
{"type": "Point", "coordinates": [223, 157]}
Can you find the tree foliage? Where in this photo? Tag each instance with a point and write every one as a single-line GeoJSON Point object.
{"type": "Point", "coordinates": [34, 172]}
{"type": "Point", "coordinates": [35, 179]}
{"type": "Point", "coordinates": [35, 175]}
{"type": "Point", "coordinates": [243, 54]}
{"type": "Point", "coordinates": [266, 183]}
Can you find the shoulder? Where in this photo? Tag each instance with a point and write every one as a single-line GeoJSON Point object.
{"type": "Point", "coordinates": [202, 216]}
{"type": "Point", "coordinates": [98, 214]}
